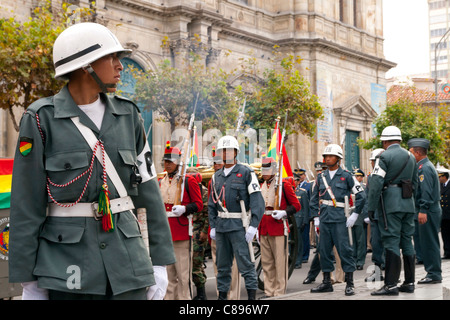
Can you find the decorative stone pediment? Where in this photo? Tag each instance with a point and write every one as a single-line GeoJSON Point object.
{"type": "Point", "coordinates": [355, 107]}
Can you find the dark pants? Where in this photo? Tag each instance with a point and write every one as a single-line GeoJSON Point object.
{"type": "Point", "coordinates": [359, 244]}
{"type": "Point", "coordinates": [377, 245]}
{"type": "Point", "coordinates": [230, 245]}
{"type": "Point", "coordinates": [429, 239]}
{"type": "Point", "coordinates": [399, 234]}
{"type": "Point", "coordinates": [445, 233]}
{"type": "Point", "coordinates": [306, 243]}
{"type": "Point", "coordinates": [335, 234]}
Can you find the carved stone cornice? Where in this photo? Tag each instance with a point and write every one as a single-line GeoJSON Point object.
{"type": "Point", "coordinates": [331, 47]}
{"type": "Point", "coordinates": [230, 29]}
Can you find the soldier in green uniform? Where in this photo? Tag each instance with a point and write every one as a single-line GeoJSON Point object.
{"type": "Point", "coordinates": [445, 207]}
{"type": "Point", "coordinates": [327, 204]}
{"type": "Point", "coordinates": [375, 238]}
{"type": "Point", "coordinates": [358, 230]}
{"type": "Point", "coordinates": [200, 241]}
{"type": "Point", "coordinates": [301, 218]}
{"type": "Point", "coordinates": [393, 179]}
{"type": "Point", "coordinates": [235, 208]}
{"type": "Point", "coordinates": [429, 210]}
{"type": "Point", "coordinates": [81, 169]}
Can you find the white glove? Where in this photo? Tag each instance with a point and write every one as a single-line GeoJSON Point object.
{"type": "Point", "coordinates": [178, 210]}
{"type": "Point", "coordinates": [250, 234]}
{"type": "Point", "coordinates": [32, 292]}
{"type": "Point", "coordinates": [279, 214]}
{"type": "Point", "coordinates": [316, 222]}
{"type": "Point", "coordinates": [158, 290]}
{"type": "Point", "coordinates": [352, 219]}
{"type": "Point", "coordinates": [367, 220]}
{"type": "Point", "coordinates": [212, 233]}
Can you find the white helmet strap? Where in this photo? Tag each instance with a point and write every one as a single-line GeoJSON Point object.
{"type": "Point", "coordinates": [103, 86]}
{"type": "Point", "coordinates": [337, 161]}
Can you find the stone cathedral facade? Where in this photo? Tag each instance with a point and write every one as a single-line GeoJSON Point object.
{"type": "Point", "coordinates": [340, 42]}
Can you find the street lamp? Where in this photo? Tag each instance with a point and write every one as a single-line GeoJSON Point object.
{"type": "Point", "coordinates": [435, 75]}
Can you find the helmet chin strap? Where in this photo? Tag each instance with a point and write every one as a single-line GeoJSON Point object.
{"type": "Point", "coordinates": [331, 166]}
{"type": "Point", "coordinates": [103, 86]}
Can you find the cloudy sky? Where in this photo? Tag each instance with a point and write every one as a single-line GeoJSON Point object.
{"type": "Point", "coordinates": [405, 24]}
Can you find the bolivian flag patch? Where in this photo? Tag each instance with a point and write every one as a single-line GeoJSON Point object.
{"type": "Point", "coordinates": [25, 146]}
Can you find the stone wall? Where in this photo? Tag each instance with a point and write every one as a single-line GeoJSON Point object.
{"type": "Point", "coordinates": [341, 47]}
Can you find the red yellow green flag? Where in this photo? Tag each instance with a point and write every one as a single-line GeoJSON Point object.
{"type": "Point", "coordinates": [6, 167]}
{"type": "Point", "coordinates": [274, 152]}
{"type": "Point", "coordinates": [193, 162]}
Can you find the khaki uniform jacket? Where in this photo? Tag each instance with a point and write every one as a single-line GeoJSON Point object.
{"type": "Point", "coordinates": [51, 249]}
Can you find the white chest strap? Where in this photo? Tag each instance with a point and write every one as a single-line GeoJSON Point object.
{"type": "Point", "coordinates": [91, 139]}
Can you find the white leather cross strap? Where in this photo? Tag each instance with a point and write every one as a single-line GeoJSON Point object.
{"type": "Point", "coordinates": [229, 215]}
{"type": "Point", "coordinates": [330, 203]}
{"type": "Point", "coordinates": [91, 139]}
{"type": "Point", "coordinates": [328, 188]}
{"type": "Point", "coordinates": [121, 204]}
{"type": "Point", "coordinates": [89, 209]}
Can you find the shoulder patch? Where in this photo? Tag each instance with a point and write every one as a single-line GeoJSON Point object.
{"type": "Point", "coordinates": [25, 146]}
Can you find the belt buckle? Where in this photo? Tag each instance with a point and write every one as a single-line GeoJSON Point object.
{"type": "Point", "coordinates": [94, 206]}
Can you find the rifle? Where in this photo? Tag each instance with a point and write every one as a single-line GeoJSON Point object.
{"type": "Point", "coordinates": [245, 217]}
{"type": "Point", "coordinates": [310, 171]}
{"type": "Point", "coordinates": [240, 119]}
{"type": "Point", "coordinates": [348, 211]}
{"type": "Point", "coordinates": [182, 170]}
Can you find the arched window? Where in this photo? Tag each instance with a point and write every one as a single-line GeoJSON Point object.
{"type": "Point", "coordinates": [126, 88]}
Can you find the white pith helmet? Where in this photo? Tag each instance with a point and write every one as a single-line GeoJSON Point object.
{"type": "Point", "coordinates": [228, 142]}
{"type": "Point", "coordinates": [83, 43]}
{"type": "Point", "coordinates": [333, 150]}
{"type": "Point", "coordinates": [391, 133]}
{"type": "Point", "coordinates": [375, 153]}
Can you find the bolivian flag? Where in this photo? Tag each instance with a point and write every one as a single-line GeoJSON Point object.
{"type": "Point", "coordinates": [193, 162]}
{"type": "Point", "coordinates": [274, 151]}
{"type": "Point", "coordinates": [6, 167]}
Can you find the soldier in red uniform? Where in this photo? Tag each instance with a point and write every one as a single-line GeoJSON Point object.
{"type": "Point", "coordinates": [180, 222]}
{"type": "Point", "coordinates": [274, 229]}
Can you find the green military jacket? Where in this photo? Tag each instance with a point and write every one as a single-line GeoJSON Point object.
{"type": "Point", "coordinates": [343, 184]}
{"type": "Point", "coordinates": [386, 168]}
{"type": "Point", "coordinates": [303, 215]}
{"type": "Point", "coordinates": [428, 195]}
{"type": "Point", "coordinates": [56, 250]}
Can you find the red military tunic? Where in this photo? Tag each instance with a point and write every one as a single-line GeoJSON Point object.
{"type": "Point", "coordinates": [289, 202]}
{"type": "Point", "coordinates": [179, 226]}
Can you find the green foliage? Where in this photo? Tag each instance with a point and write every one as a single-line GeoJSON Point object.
{"type": "Point", "coordinates": [172, 91]}
{"type": "Point", "coordinates": [286, 90]}
{"type": "Point", "coordinates": [26, 64]}
{"type": "Point", "coordinates": [414, 121]}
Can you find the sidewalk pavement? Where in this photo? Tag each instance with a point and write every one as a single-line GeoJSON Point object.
{"type": "Point", "coordinates": [438, 291]}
